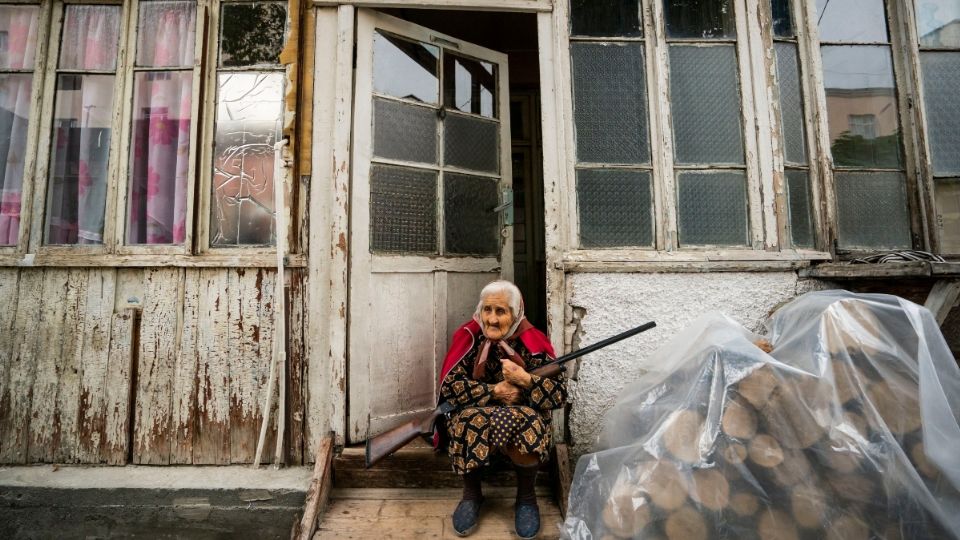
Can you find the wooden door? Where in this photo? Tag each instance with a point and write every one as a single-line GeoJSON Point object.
{"type": "Point", "coordinates": [430, 209]}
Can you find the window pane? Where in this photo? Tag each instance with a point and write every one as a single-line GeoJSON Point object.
{"type": "Point", "coordinates": [15, 92]}
{"type": "Point", "coordinates": [471, 143]}
{"type": "Point", "coordinates": [948, 214]}
{"type": "Point", "coordinates": [403, 210]}
{"type": "Point", "coordinates": [159, 167]}
{"type": "Point", "coordinates": [705, 99]}
{"type": "Point", "coordinates": [470, 86]}
{"type": "Point", "coordinates": [404, 131]}
{"type": "Point", "coordinates": [251, 34]}
{"type": "Point", "coordinates": [166, 35]}
{"type": "Point", "coordinates": [77, 188]}
{"type": "Point", "coordinates": [938, 23]}
{"type": "Point", "coordinates": [941, 80]}
{"type": "Point", "coordinates": [90, 37]}
{"type": "Point", "coordinates": [19, 26]}
{"type": "Point", "coordinates": [872, 210]}
{"type": "Point", "coordinates": [712, 208]}
{"type": "Point", "coordinates": [856, 21]}
{"type": "Point", "coordinates": [700, 18]}
{"type": "Point", "coordinates": [798, 204]}
{"type": "Point", "coordinates": [405, 69]}
{"type": "Point", "coordinates": [861, 106]}
{"type": "Point", "coordinates": [615, 208]}
{"type": "Point", "coordinates": [249, 114]}
{"type": "Point", "coordinates": [610, 103]}
{"type": "Point", "coordinates": [605, 18]}
{"type": "Point", "coordinates": [791, 104]}
{"type": "Point", "coordinates": [782, 18]}
{"type": "Point", "coordinates": [472, 227]}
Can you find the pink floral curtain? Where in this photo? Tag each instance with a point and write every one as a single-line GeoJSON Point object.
{"type": "Point", "coordinates": [19, 23]}
{"type": "Point", "coordinates": [159, 167]}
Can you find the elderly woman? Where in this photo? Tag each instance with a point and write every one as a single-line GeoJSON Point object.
{"type": "Point", "coordinates": [501, 407]}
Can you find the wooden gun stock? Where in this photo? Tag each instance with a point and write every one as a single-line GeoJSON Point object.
{"type": "Point", "coordinates": [390, 441]}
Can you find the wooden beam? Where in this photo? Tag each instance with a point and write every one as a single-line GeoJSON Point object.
{"type": "Point", "coordinates": [562, 478]}
{"type": "Point", "coordinates": [319, 491]}
{"type": "Point", "coordinates": [942, 298]}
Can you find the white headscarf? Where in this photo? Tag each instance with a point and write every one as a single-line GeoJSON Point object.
{"type": "Point", "coordinates": [514, 298]}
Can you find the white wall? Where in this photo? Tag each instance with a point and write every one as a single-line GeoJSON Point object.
{"type": "Point", "coordinates": [611, 303]}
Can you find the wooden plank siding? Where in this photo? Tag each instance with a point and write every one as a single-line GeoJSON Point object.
{"type": "Point", "coordinates": [156, 366]}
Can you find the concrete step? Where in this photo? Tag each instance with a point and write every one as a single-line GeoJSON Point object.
{"type": "Point", "coordinates": [154, 502]}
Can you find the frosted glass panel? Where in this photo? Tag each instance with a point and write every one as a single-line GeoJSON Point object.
{"type": "Point", "coordinates": [472, 227]}
{"type": "Point", "coordinates": [798, 204]}
{"type": "Point", "coordinates": [615, 208]}
{"type": "Point", "coordinates": [403, 131]}
{"type": "Point", "coordinates": [861, 106]}
{"type": "Point", "coordinates": [249, 114]}
{"type": "Point", "coordinates": [252, 34]}
{"type": "Point", "coordinates": [610, 103]}
{"type": "Point", "coordinates": [791, 103]}
{"type": "Point", "coordinates": [712, 208]}
{"type": "Point", "coordinates": [705, 100]}
{"type": "Point", "coordinates": [471, 143]}
{"type": "Point", "coordinates": [938, 23]}
{"type": "Point", "coordinates": [15, 99]}
{"type": "Point", "coordinates": [19, 24]}
{"type": "Point", "coordinates": [403, 210]}
{"type": "Point", "coordinates": [941, 81]}
{"type": "Point", "coordinates": [405, 69]}
{"type": "Point", "coordinates": [167, 34]}
{"type": "Point", "coordinates": [948, 214]}
{"type": "Point", "coordinates": [872, 210]}
{"type": "Point", "coordinates": [700, 18]}
{"type": "Point", "coordinates": [857, 21]}
{"type": "Point", "coordinates": [469, 85]}
{"type": "Point", "coordinates": [90, 38]}
{"type": "Point", "coordinates": [605, 18]}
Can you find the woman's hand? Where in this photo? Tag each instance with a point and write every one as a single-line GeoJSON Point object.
{"type": "Point", "coordinates": [506, 393]}
{"type": "Point", "coordinates": [514, 374]}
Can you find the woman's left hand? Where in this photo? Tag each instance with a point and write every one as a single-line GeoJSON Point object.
{"type": "Point", "coordinates": [514, 374]}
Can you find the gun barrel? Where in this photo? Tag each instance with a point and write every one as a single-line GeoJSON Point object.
{"type": "Point", "coordinates": [603, 343]}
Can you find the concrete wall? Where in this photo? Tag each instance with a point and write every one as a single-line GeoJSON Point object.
{"type": "Point", "coordinates": [606, 304]}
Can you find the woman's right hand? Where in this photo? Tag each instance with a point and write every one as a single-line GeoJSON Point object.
{"type": "Point", "coordinates": [506, 393]}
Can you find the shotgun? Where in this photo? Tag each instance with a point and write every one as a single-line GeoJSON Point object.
{"type": "Point", "coordinates": [390, 441]}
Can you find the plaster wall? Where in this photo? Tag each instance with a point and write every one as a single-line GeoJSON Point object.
{"type": "Point", "coordinates": [606, 304]}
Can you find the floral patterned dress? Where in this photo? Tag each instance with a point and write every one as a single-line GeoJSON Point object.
{"type": "Point", "coordinates": [481, 425]}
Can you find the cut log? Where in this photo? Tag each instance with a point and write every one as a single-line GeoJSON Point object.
{"type": "Point", "coordinates": [896, 402]}
{"type": "Point", "coordinates": [709, 488]}
{"type": "Point", "coordinates": [809, 506]}
{"type": "Point", "coordinates": [776, 525]}
{"type": "Point", "coordinates": [758, 385]}
{"type": "Point", "coordinates": [744, 504]}
{"type": "Point", "coordinates": [686, 524]}
{"type": "Point", "coordinates": [857, 488]}
{"type": "Point", "coordinates": [765, 451]}
{"type": "Point", "coordinates": [795, 469]}
{"type": "Point", "coordinates": [847, 527]}
{"type": "Point", "coordinates": [734, 453]}
{"type": "Point", "coordinates": [849, 382]}
{"type": "Point", "coordinates": [858, 422]}
{"type": "Point", "coordinates": [791, 420]}
{"type": "Point", "coordinates": [663, 483]}
{"type": "Point", "coordinates": [840, 453]}
{"type": "Point", "coordinates": [627, 511]}
{"type": "Point", "coordinates": [739, 420]}
{"type": "Point", "coordinates": [682, 435]}
{"type": "Point", "coordinates": [919, 458]}
{"type": "Point", "coordinates": [764, 345]}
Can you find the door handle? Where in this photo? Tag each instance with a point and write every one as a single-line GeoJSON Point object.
{"type": "Point", "coordinates": [506, 207]}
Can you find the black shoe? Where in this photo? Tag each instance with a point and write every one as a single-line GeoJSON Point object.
{"type": "Point", "coordinates": [526, 520]}
{"type": "Point", "coordinates": [465, 517]}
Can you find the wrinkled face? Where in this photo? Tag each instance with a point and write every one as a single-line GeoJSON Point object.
{"type": "Point", "coordinates": [496, 316]}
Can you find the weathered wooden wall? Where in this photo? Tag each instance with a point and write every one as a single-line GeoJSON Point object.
{"type": "Point", "coordinates": [187, 369]}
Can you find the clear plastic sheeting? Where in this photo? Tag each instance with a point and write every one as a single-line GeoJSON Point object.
{"type": "Point", "coordinates": [847, 429]}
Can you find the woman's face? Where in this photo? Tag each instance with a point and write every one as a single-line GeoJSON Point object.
{"type": "Point", "coordinates": [496, 315]}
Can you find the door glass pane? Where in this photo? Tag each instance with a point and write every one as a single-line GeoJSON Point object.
{"type": "Point", "coordinates": [167, 32]}
{"type": "Point", "coordinates": [403, 210]}
{"type": "Point", "coordinates": [471, 143]}
{"type": "Point", "coordinates": [791, 104]}
{"type": "Point", "coordinates": [948, 214]}
{"type": "Point", "coordinates": [700, 18]}
{"type": "Point", "coordinates": [782, 18]}
{"type": "Point", "coordinates": [855, 21]}
{"type": "Point", "coordinates": [15, 98]}
{"type": "Point", "coordinates": [712, 208]}
{"type": "Point", "coordinates": [19, 25]}
{"type": "Point", "coordinates": [798, 204]}
{"type": "Point", "coordinates": [405, 69]}
{"type": "Point", "coordinates": [470, 86]}
{"type": "Point", "coordinates": [252, 34]}
{"type": "Point", "coordinates": [249, 114]}
{"type": "Point", "coordinates": [872, 210]}
{"type": "Point", "coordinates": [705, 99]}
{"type": "Point", "coordinates": [472, 227]}
{"type": "Point", "coordinates": [403, 131]}
{"type": "Point", "coordinates": [77, 188]}
{"type": "Point", "coordinates": [610, 103]}
{"type": "Point", "coordinates": [159, 166]}
{"type": "Point", "coordinates": [605, 18]}
{"type": "Point", "coordinates": [861, 106]}
{"type": "Point", "coordinates": [615, 208]}
{"type": "Point", "coordinates": [938, 23]}
{"type": "Point", "coordinates": [941, 94]}
{"type": "Point", "coordinates": [90, 37]}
